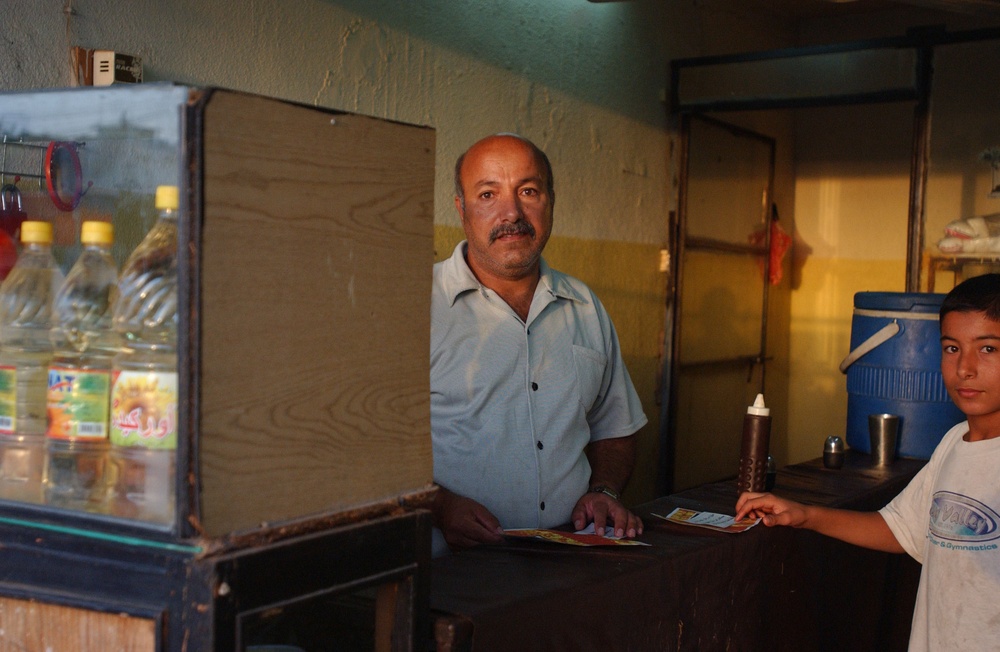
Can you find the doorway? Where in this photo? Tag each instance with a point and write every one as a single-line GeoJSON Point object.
{"type": "Point", "coordinates": [720, 317]}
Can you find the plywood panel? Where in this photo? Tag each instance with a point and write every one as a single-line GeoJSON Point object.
{"type": "Point", "coordinates": [27, 625]}
{"type": "Point", "coordinates": [315, 314]}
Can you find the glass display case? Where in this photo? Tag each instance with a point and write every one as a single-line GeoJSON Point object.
{"type": "Point", "coordinates": [302, 458]}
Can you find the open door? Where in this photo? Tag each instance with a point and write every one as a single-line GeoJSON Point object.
{"type": "Point", "coordinates": [720, 311]}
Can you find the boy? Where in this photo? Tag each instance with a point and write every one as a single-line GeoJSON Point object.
{"type": "Point", "coordinates": [948, 517]}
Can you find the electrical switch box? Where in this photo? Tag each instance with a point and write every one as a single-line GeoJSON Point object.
{"type": "Point", "coordinates": [106, 67]}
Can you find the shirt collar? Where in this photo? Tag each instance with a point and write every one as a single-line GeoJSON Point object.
{"type": "Point", "coordinates": [457, 278]}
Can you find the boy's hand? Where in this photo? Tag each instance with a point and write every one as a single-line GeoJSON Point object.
{"type": "Point", "coordinates": [770, 509]}
{"type": "Point", "coordinates": [866, 529]}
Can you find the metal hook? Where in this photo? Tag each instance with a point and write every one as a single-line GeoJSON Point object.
{"type": "Point", "coordinates": [15, 195]}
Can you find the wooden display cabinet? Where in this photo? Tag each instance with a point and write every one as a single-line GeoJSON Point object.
{"type": "Point", "coordinates": [304, 456]}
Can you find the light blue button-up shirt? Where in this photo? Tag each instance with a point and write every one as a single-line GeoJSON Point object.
{"type": "Point", "coordinates": [514, 403]}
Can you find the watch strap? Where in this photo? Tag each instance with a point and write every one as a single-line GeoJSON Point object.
{"type": "Point", "coordinates": [607, 491]}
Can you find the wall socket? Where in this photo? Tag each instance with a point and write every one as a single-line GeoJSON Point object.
{"type": "Point", "coordinates": [94, 67]}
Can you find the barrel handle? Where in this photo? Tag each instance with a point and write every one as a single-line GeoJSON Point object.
{"type": "Point", "coordinates": [880, 336]}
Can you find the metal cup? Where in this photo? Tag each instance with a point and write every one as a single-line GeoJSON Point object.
{"type": "Point", "coordinates": [883, 429]}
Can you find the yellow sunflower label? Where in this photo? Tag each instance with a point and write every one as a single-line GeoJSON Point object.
{"type": "Point", "coordinates": [144, 409]}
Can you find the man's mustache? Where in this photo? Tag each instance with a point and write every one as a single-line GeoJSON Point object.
{"type": "Point", "coordinates": [512, 228]}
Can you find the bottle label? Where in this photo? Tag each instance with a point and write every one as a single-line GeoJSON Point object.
{"type": "Point", "coordinates": [8, 400]}
{"type": "Point", "coordinates": [78, 403]}
{"type": "Point", "coordinates": [144, 409]}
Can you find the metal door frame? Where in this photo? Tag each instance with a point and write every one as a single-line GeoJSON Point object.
{"type": "Point", "coordinates": [683, 243]}
{"type": "Point", "coordinates": [680, 244]}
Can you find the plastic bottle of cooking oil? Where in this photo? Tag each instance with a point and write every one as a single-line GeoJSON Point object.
{"type": "Point", "coordinates": [25, 351]}
{"type": "Point", "coordinates": [79, 386]}
{"type": "Point", "coordinates": [144, 374]}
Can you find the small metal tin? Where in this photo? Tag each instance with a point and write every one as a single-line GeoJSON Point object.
{"type": "Point", "coordinates": [833, 452]}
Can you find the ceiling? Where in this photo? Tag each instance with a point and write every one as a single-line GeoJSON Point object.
{"type": "Point", "coordinates": [807, 9]}
{"type": "Point", "coordinates": [818, 9]}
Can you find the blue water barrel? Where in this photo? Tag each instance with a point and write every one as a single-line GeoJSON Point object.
{"type": "Point", "coordinates": [895, 368]}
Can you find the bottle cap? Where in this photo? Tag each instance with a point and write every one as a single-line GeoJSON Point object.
{"type": "Point", "coordinates": [35, 232]}
{"type": "Point", "coordinates": [833, 452]}
{"type": "Point", "coordinates": [758, 408]}
{"type": "Point", "coordinates": [94, 232]}
{"type": "Point", "coordinates": [166, 198]}
{"type": "Point", "coordinates": [833, 444]}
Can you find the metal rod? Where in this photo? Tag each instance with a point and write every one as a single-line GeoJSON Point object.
{"type": "Point", "coordinates": [4, 172]}
{"type": "Point", "coordinates": [919, 163]}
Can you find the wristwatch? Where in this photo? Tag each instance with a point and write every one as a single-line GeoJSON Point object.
{"type": "Point", "coordinates": [607, 491]}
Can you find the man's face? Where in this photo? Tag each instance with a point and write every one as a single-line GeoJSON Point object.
{"type": "Point", "coordinates": [970, 363]}
{"type": "Point", "coordinates": [508, 211]}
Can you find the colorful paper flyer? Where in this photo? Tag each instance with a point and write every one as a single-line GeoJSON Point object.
{"type": "Point", "coordinates": [585, 537]}
{"type": "Point", "coordinates": [710, 520]}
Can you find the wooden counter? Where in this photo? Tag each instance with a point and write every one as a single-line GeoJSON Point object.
{"type": "Point", "coordinates": [691, 589]}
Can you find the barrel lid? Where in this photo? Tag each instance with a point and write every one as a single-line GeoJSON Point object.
{"type": "Point", "coordinates": [899, 301]}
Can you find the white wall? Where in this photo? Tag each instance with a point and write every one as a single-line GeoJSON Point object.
{"type": "Point", "coordinates": [585, 80]}
{"type": "Point", "coordinates": [582, 79]}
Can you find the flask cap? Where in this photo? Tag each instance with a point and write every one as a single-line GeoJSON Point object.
{"type": "Point", "coordinates": [94, 232]}
{"type": "Point", "coordinates": [166, 198]}
{"type": "Point", "coordinates": [36, 232]}
{"type": "Point", "coordinates": [758, 407]}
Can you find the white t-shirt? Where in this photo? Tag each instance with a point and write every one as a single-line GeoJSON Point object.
{"type": "Point", "coordinates": [948, 519]}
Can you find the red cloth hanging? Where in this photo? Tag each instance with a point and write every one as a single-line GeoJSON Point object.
{"type": "Point", "coordinates": [780, 243]}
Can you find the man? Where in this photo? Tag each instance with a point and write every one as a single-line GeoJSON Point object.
{"type": "Point", "coordinates": [533, 413]}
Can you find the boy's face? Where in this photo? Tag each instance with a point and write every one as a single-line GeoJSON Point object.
{"type": "Point", "coordinates": [970, 363]}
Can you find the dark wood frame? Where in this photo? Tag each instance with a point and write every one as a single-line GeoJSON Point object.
{"type": "Point", "coordinates": [665, 479]}
{"type": "Point", "coordinates": [201, 602]}
{"type": "Point", "coordinates": [922, 41]}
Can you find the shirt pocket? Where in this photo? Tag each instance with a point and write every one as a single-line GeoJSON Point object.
{"type": "Point", "coordinates": [589, 366]}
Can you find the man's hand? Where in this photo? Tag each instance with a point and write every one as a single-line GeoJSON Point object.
{"type": "Point", "coordinates": [463, 521]}
{"type": "Point", "coordinates": [605, 511]}
{"type": "Point", "coordinates": [611, 461]}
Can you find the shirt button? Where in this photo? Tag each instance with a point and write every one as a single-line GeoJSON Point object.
{"type": "Point", "coordinates": [534, 387]}
{"type": "Point", "coordinates": [541, 445]}
{"type": "Point", "coordinates": [542, 505]}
